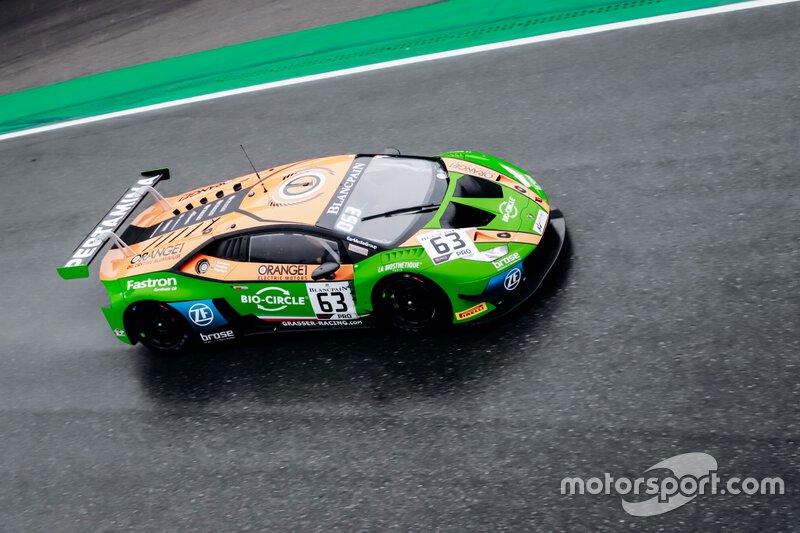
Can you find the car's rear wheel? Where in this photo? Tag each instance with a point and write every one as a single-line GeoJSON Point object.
{"type": "Point", "coordinates": [159, 327]}
{"type": "Point", "coordinates": [412, 303]}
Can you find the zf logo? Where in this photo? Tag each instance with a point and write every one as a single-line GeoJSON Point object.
{"type": "Point", "coordinates": [512, 280]}
{"type": "Point", "coordinates": [201, 314]}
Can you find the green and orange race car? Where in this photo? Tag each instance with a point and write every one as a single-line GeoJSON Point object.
{"type": "Point", "coordinates": [341, 241]}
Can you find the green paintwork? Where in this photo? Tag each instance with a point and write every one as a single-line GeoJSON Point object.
{"type": "Point", "coordinates": [73, 272]}
{"type": "Point", "coordinates": [439, 27]}
{"type": "Point", "coordinates": [458, 277]}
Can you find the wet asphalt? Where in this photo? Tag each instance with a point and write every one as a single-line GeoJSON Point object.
{"type": "Point", "coordinates": [670, 325]}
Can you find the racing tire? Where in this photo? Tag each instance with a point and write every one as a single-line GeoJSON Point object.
{"type": "Point", "coordinates": [412, 303]}
{"type": "Point", "coordinates": [158, 327]}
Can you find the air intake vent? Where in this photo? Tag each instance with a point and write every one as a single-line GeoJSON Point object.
{"type": "Point", "coordinates": [463, 216]}
{"type": "Point", "coordinates": [234, 249]}
{"type": "Point", "coordinates": [472, 187]}
{"type": "Point", "coordinates": [403, 255]}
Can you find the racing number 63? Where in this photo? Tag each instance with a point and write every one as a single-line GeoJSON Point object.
{"type": "Point", "coordinates": [442, 247]}
{"type": "Point", "coordinates": [327, 306]}
{"type": "Point", "coordinates": [332, 300]}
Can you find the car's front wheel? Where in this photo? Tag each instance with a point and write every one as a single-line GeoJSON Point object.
{"type": "Point", "coordinates": [412, 303]}
{"type": "Point", "coordinates": [158, 326]}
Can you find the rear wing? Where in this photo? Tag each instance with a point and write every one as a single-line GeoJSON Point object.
{"type": "Point", "coordinates": [78, 264]}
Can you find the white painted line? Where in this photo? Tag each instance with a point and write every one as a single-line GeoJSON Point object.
{"type": "Point", "coordinates": [741, 6]}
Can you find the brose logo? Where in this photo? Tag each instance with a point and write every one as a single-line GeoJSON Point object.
{"type": "Point", "coordinates": [158, 284]}
{"type": "Point", "coordinates": [505, 261]}
{"type": "Point", "coordinates": [218, 336]}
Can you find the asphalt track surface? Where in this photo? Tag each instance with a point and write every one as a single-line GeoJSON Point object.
{"type": "Point", "coordinates": [670, 327]}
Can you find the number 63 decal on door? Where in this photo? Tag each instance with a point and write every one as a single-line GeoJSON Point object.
{"type": "Point", "coordinates": [332, 300]}
{"type": "Point", "coordinates": [444, 245]}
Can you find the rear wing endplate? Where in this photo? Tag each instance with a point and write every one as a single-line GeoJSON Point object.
{"type": "Point", "coordinates": [78, 264]}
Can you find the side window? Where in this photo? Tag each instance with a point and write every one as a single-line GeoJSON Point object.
{"type": "Point", "coordinates": [293, 248]}
{"type": "Point", "coordinates": [234, 248]}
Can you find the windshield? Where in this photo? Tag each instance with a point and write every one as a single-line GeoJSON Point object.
{"type": "Point", "coordinates": [391, 197]}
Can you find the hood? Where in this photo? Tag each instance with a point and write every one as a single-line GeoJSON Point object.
{"type": "Point", "coordinates": [480, 203]}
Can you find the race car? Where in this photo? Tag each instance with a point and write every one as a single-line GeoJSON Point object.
{"type": "Point", "coordinates": [344, 241]}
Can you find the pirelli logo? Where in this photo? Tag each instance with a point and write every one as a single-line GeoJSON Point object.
{"type": "Point", "coordinates": [472, 311]}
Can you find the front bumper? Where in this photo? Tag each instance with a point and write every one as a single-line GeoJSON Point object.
{"type": "Point", "coordinates": [535, 268]}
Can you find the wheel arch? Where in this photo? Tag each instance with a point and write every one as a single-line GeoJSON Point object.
{"type": "Point", "coordinates": [381, 284]}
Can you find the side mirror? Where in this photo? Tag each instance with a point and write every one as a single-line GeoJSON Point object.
{"type": "Point", "coordinates": [325, 270]}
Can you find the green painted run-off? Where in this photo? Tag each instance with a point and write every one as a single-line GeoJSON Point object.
{"type": "Point", "coordinates": [434, 28]}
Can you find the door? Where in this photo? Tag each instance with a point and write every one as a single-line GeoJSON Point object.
{"type": "Point", "coordinates": [277, 285]}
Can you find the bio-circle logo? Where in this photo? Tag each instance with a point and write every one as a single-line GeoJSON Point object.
{"type": "Point", "coordinates": [512, 280]}
{"type": "Point", "coordinates": [301, 185]}
{"type": "Point", "coordinates": [509, 209]}
{"type": "Point", "coordinates": [273, 299]}
{"type": "Point", "coordinates": [277, 302]}
{"type": "Point", "coordinates": [201, 314]}
{"type": "Point", "coordinates": [202, 266]}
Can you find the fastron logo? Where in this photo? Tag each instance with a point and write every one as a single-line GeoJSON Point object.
{"type": "Point", "coordinates": [273, 299]}
{"type": "Point", "coordinates": [158, 284]}
{"type": "Point", "coordinates": [508, 209]}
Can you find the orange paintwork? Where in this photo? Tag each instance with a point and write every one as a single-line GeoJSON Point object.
{"type": "Point", "coordinates": [295, 193]}
{"type": "Point", "coordinates": [483, 236]}
{"type": "Point", "coordinates": [226, 270]}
